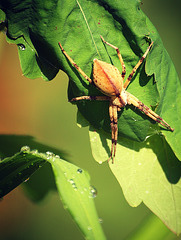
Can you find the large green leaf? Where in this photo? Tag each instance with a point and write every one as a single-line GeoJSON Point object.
{"type": "Point", "coordinates": [38, 26]}
{"type": "Point", "coordinates": [148, 172]}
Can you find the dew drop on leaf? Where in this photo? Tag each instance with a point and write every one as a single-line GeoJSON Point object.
{"type": "Point", "coordinates": [100, 220]}
{"type": "Point", "coordinates": [21, 47]}
{"type": "Point", "coordinates": [49, 155]}
{"type": "Point", "coordinates": [73, 184]}
{"type": "Point", "coordinates": [34, 151]}
{"type": "Point", "coordinates": [79, 170]}
{"type": "Point", "coordinates": [89, 228]}
{"type": "Point", "coordinates": [25, 149]}
{"type": "Point", "coordinates": [93, 192]}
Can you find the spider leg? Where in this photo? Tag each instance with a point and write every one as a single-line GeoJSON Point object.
{"type": "Point", "coordinates": [98, 98]}
{"type": "Point", "coordinates": [114, 129]}
{"type": "Point", "coordinates": [128, 80]}
{"type": "Point", "coordinates": [119, 56]}
{"type": "Point", "coordinates": [115, 116]}
{"type": "Point", "coordinates": [74, 64]}
{"type": "Point", "coordinates": [133, 100]}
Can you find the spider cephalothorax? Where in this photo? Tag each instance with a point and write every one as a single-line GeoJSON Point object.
{"type": "Point", "coordinates": [108, 79]}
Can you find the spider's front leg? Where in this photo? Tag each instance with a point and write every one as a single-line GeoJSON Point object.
{"type": "Point", "coordinates": [119, 56]}
{"type": "Point", "coordinates": [74, 64]}
{"type": "Point", "coordinates": [128, 80]}
{"type": "Point", "coordinates": [142, 107]}
{"type": "Point", "coordinates": [98, 98]}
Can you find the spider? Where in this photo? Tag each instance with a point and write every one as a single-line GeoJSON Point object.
{"type": "Point", "coordinates": [108, 79]}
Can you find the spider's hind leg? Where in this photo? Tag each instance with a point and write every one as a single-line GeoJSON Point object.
{"type": "Point", "coordinates": [114, 128]}
{"type": "Point", "coordinates": [142, 107]}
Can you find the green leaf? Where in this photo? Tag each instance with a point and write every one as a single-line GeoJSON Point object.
{"type": "Point", "coordinates": [2, 17]}
{"type": "Point", "coordinates": [148, 172]}
{"type": "Point", "coordinates": [32, 66]}
{"type": "Point", "coordinates": [72, 182]}
{"type": "Point", "coordinates": [169, 89]}
{"type": "Point", "coordinates": [40, 25]}
{"type": "Point", "coordinates": [17, 169]}
{"type": "Point", "coordinates": [48, 22]}
{"type": "Point", "coordinates": [77, 196]}
{"type": "Point", "coordinates": [42, 181]}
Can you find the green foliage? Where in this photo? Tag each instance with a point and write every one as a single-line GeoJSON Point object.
{"type": "Point", "coordinates": [150, 228]}
{"type": "Point", "coordinates": [38, 185]}
{"type": "Point", "coordinates": [46, 23]}
{"type": "Point", "coordinates": [17, 169]}
{"type": "Point", "coordinates": [148, 172]}
{"type": "Point", "coordinates": [77, 195]}
{"type": "Point", "coordinates": [72, 183]}
{"type": "Point", "coordinates": [37, 27]}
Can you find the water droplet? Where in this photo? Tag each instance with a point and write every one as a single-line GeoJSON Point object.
{"type": "Point", "coordinates": [49, 155]}
{"type": "Point", "coordinates": [79, 170]}
{"type": "Point", "coordinates": [146, 191]}
{"type": "Point", "coordinates": [100, 220]}
{"type": "Point", "coordinates": [93, 192]}
{"type": "Point", "coordinates": [34, 151]}
{"type": "Point", "coordinates": [25, 149]}
{"type": "Point", "coordinates": [21, 47]}
{"type": "Point", "coordinates": [89, 228]}
{"type": "Point", "coordinates": [73, 184]}
{"type": "Point", "coordinates": [57, 156]}
{"type": "Point", "coordinates": [100, 162]}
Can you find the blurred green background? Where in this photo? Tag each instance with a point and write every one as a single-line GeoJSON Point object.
{"type": "Point", "coordinates": [40, 109]}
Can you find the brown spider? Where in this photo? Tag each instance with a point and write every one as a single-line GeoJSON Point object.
{"type": "Point", "coordinates": [109, 81]}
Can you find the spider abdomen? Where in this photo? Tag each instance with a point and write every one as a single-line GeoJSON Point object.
{"type": "Point", "coordinates": [107, 78]}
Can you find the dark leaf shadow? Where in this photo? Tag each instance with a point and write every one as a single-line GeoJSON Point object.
{"type": "Point", "coordinates": [46, 60]}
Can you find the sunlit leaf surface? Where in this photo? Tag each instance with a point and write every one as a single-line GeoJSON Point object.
{"type": "Point", "coordinates": [148, 172]}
